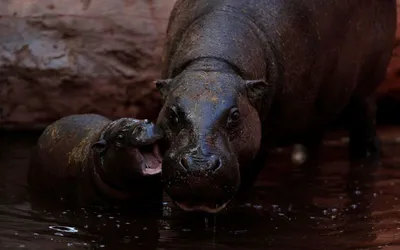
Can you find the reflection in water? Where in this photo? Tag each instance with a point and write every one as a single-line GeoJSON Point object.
{"type": "Point", "coordinates": [342, 206]}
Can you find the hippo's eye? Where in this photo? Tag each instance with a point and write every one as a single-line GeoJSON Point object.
{"type": "Point", "coordinates": [234, 115]}
{"type": "Point", "coordinates": [173, 116]}
{"type": "Point", "coordinates": [120, 139]}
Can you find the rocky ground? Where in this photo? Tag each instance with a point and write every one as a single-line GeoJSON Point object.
{"type": "Point", "coordinates": [59, 57]}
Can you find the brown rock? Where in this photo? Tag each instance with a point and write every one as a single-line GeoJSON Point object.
{"type": "Point", "coordinates": [389, 93]}
{"type": "Point", "coordinates": [61, 57]}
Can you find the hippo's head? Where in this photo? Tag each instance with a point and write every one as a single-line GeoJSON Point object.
{"type": "Point", "coordinates": [127, 154]}
{"type": "Point", "coordinates": [212, 132]}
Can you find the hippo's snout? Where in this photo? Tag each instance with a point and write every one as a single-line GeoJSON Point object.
{"type": "Point", "coordinates": [211, 163]}
{"type": "Point", "coordinates": [200, 182]}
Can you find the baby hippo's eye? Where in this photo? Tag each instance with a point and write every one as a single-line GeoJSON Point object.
{"type": "Point", "coordinates": [120, 140]}
{"type": "Point", "coordinates": [234, 116]}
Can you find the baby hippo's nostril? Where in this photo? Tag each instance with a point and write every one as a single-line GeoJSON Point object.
{"type": "Point", "coordinates": [214, 163]}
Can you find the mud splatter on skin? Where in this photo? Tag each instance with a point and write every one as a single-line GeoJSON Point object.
{"type": "Point", "coordinates": [78, 155]}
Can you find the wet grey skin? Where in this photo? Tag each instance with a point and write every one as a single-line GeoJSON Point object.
{"type": "Point", "coordinates": [240, 77]}
{"type": "Point", "coordinates": [93, 160]}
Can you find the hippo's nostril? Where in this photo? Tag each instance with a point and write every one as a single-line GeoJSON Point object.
{"type": "Point", "coordinates": [214, 163]}
{"type": "Point", "coordinates": [185, 162]}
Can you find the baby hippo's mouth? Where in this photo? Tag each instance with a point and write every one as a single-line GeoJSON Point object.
{"type": "Point", "coordinates": [149, 158]}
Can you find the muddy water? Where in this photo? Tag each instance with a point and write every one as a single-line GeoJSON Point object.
{"type": "Point", "coordinates": [341, 207]}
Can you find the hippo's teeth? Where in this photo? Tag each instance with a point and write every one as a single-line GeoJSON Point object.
{"type": "Point", "coordinates": [152, 171]}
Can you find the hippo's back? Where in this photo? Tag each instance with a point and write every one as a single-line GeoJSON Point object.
{"type": "Point", "coordinates": [62, 151]}
{"type": "Point", "coordinates": [317, 54]}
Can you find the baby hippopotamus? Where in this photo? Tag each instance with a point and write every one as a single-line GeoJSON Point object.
{"type": "Point", "coordinates": [244, 76]}
{"type": "Point", "coordinates": [91, 160]}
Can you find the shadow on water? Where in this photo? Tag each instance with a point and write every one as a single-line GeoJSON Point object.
{"type": "Point", "coordinates": [343, 207]}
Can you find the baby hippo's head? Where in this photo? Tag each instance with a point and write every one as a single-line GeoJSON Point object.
{"type": "Point", "coordinates": [127, 162]}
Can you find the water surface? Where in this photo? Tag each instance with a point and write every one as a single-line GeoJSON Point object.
{"type": "Point", "coordinates": [338, 209]}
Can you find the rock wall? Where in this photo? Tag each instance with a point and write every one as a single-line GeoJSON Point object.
{"type": "Point", "coordinates": [389, 92]}
{"type": "Point", "coordinates": [60, 57]}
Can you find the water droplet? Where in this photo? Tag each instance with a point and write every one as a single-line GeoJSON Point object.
{"type": "Point", "coordinates": [86, 226]}
{"type": "Point", "coordinates": [36, 234]}
{"type": "Point", "coordinates": [21, 246]}
{"type": "Point", "coordinates": [59, 234]}
{"type": "Point", "coordinates": [118, 225]}
{"type": "Point", "coordinates": [353, 206]}
{"type": "Point", "coordinates": [102, 246]}
{"type": "Point", "coordinates": [99, 216]}
{"type": "Point", "coordinates": [258, 207]}
{"type": "Point", "coordinates": [64, 229]}
{"type": "Point", "coordinates": [70, 244]}
{"type": "Point", "coordinates": [357, 192]}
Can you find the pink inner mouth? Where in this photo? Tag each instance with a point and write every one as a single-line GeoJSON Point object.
{"type": "Point", "coordinates": [152, 159]}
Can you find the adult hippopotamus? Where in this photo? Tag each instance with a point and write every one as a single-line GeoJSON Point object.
{"type": "Point", "coordinates": [90, 160]}
{"type": "Point", "coordinates": [243, 76]}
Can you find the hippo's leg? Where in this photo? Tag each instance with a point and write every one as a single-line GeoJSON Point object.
{"type": "Point", "coordinates": [364, 143]}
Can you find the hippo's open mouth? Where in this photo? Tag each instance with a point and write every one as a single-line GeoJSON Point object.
{"type": "Point", "coordinates": [212, 209]}
{"type": "Point", "coordinates": [150, 159]}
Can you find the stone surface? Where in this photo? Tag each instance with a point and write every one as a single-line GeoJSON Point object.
{"type": "Point", "coordinates": [60, 57]}
{"type": "Point", "coordinates": [389, 93]}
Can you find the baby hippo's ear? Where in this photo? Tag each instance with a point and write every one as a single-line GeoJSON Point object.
{"type": "Point", "coordinates": [163, 86]}
{"type": "Point", "coordinates": [256, 91]}
{"type": "Point", "coordinates": [99, 146]}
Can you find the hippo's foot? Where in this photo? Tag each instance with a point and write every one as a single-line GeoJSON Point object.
{"type": "Point", "coordinates": [364, 144]}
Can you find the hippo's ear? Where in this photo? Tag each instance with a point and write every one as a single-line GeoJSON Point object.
{"type": "Point", "coordinates": [162, 86]}
{"type": "Point", "coordinates": [99, 146]}
{"type": "Point", "coordinates": [256, 91]}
